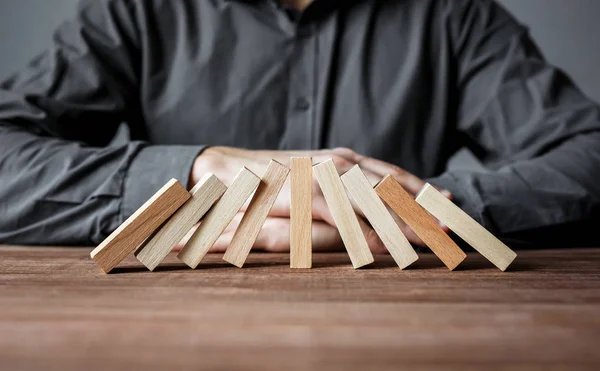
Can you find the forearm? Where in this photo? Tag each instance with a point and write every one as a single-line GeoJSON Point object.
{"type": "Point", "coordinates": [54, 191]}
{"type": "Point", "coordinates": [536, 134]}
{"type": "Point", "coordinates": [555, 189]}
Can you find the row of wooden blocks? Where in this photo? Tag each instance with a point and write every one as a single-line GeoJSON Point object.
{"type": "Point", "coordinates": [164, 220]}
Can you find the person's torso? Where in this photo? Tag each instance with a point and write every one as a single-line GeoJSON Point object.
{"type": "Point", "coordinates": [374, 76]}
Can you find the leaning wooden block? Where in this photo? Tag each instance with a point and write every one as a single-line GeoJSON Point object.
{"type": "Point", "coordinates": [343, 213]}
{"type": "Point", "coordinates": [256, 213]}
{"type": "Point", "coordinates": [219, 217]}
{"type": "Point", "coordinates": [466, 227]}
{"type": "Point", "coordinates": [157, 247]}
{"type": "Point", "coordinates": [125, 239]}
{"type": "Point", "coordinates": [385, 226]}
{"type": "Point", "coordinates": [301, 212]}
{"type": "Point", "coordinates": [420, 222]}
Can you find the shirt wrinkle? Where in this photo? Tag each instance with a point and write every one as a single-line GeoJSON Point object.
{"type": "Point", "coordinates": [401, 81]}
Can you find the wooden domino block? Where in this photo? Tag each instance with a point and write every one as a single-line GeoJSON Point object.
{"type": "Point", "coordinates": [157, 247]}
{"type": "Point", "coordinates": [343, 214]}
{"type": "Point", "coordinates": [219, 217]}
{"type": "Point", "coordinates": [385, 226]}
{"type": "Point", "coordinates": [301, 212]}
{"type": "Point", "coordinates": [256, 213]}
{"type": "Point", "coordinates": [466, 227]}
{"type": "Point", "coordinates": [125, 239]}
{"type": "Point", "coordinates": [420, 222]}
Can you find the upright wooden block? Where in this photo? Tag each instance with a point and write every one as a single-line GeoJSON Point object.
{"type": "Point", "coordinates": [125, 239]}
{"type": "Point", "coordinates": [466, 227]}
{"type": "Point", "coordinates": [256, 213]}
{"type": "Point", "coordinates": [157, 247]}
{"type": "Point", "coordinates": [219, 217]}
{"type": "Point", "coordinates": [301, 212]}
{"type": "Point", "coordinates": [343, 213]}
{"type": "Point", "coordinates": [381, 220]}
{"type": "Point", "coordinates": [420, 222]}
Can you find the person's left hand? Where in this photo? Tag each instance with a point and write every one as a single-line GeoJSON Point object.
{"type": "Point", "coordinates": [274, 236]}
{"type": "Point", "coordinates": [225, 162]}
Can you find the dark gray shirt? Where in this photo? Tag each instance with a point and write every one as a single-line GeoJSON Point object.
{"type": "Point", "coordinates": [406, 81]}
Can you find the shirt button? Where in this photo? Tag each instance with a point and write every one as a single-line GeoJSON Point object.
{"type": "Point", "coordinates": [302, 104]}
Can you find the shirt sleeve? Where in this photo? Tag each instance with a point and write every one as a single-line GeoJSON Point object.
{"type": "Point", "coordinates": [60, 182]}
{"type": "Point", "coordinates": [536, 133]}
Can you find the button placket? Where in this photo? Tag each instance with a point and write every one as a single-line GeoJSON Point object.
{"type": "Point", "coordinates": [301, 88]}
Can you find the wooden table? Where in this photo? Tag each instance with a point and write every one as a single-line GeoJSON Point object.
{"type": "Point", "coordinates": [59, 312]}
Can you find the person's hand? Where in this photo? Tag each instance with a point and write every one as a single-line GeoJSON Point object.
{"type": "Point", "coordinates": [225, 163]}
{"type": "Point", "coordinates": [275, 234]}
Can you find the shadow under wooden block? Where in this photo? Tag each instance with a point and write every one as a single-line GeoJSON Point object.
{"type": "Point", "coordinates": [149, 217]}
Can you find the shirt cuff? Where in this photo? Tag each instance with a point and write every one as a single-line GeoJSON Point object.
{"type": "Point", "coordinates": [463, 195]}
{"type": "Point", "coordinates": [151, 169]}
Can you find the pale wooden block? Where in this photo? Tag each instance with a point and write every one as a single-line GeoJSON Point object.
{"type": "Point", "coordinates": [301, 212]}
{"type": "Point", "coordinates": [219, 217]}
{"type": "Point", "coordinates": [343, 214]}
{"type": "Point", "coordinates": [381, 220]}
{"type": "Point", "coordinates": [420, 222]}
{"type": "Point", "coordinates": [158, 246]}
{"type": "Point", "coordinates": [256, 213]}
{"type": "Point", "coordinates": [149, 217]}
{"type": "Point", "coordinates": [466, 227]}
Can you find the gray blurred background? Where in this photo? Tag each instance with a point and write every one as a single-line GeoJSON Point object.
{"type": "Point", "coordinates": [567, 31]}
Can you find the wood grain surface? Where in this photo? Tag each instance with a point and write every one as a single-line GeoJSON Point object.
{"type": "Point", "coordinates": [361, 190]}
{"type": "Point", "coordinates": [59, 312]}
{"type": "Point", "coordinates": [466, 227]}
{"type": "Point", "coordinates": [255, 215]}
{"type": "Point", "coordinates": [141, 224]}
{"type": "Point", "coordinates": [213, 225]}
{"type": "Point", "coordinates": [301, 182]}
{"type": "Point", "coordinates": [420, 222]}
{"type": "Point", "coordinates": [343, 213]}
{"type": "Point", "coordinates": [204, 194]}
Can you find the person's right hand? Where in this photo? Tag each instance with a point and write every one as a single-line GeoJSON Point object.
{"type": "Point", "coordinates": [225, 163]}
{"type": "Point", "coordinates": [274, 236]}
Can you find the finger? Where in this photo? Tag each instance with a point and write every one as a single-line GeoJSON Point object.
{"type": "Point", "coordinates": [274, 236]}
{"type": "Point", "coordinates": [375, 244]}
{"type": "Point", "coordinates": [410, 182]}
{"type": "Point", "coordinates": [373, 240]}
{"type": "Point", "coordinates": [320, 206]}
{"type": "Point", "coordinates": [326, 238]}
{"type": "Point", "coordinates": [375, 169]}
{"type": "Point", "coordinates": [228, 232]}
{"type": "Point", "coordinates": [225, 238]}
{"type": "Point", "coordinates": [235, 222]}
{"type": "Point", "coordinates": [185, 239]}
{"type": "Point", "coordinates": [281, 207]}
{"type": "Point", "coordinates": [411, 236]}
{"type": "Point", "coordinates": [320, 209]}
{"type": "Point", "coordinates": [219, 246]}
{"type": "Point", "coordinates": [222, 243]}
